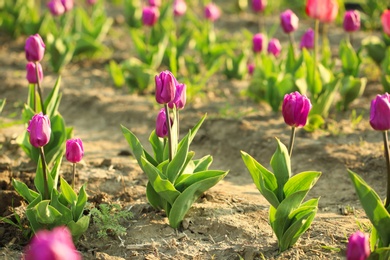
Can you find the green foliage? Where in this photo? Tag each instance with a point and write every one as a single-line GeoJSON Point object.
{"type": "Point", "coordinates": [2, 104]}
{"type": "Point", "coordinates": [289, 216]}
{"type": "Point", "coordinates": [108, 219]}
{"type": "Point", "coordinates": [385, 78]}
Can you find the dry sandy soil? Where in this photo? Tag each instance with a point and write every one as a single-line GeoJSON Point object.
{"type": "Point", "coordinates": [230, 221]}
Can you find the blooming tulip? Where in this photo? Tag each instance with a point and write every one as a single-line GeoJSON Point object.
{"type": "Point", "coordinates": [161, 124]}
{"type": "Point", "coordinates": [259, 5]}
{"type": "Point", "coordinates": [31, 73]}
{"type": "Point", "coordinates": [358, 246]}
{"type": "Point", "coordinates": [150, 15]}
{"type": "Point", "coordinates": [289, 21]}
{"type": "Point", "coordinates": [307, 40]}
{"type": "Point", "coordinates": [56, 7]}
{"type": "Point", "coordinates": [179, 7]}
{"type": "Point", "coordinates": [180, 97]}
{"type": "Point", "coordinates": [274, 47]}
{"type": "Point", "coordinates": [251, 68]}
{"type": "Point", "coordinates": [68, 4]}
{"type": "Point", "coordinates": [212, 12]}
{"type": "Point", "coordinates": [165, 87]}
{"type": "Point", "coordinates": [258, 40]}
{"type": "Point", "coordinates": [34, 48]}
{"type": "Point", "coordinates": [323, 10]}
{"type": "Point", "coordinates": [74, 150]}
{"type": "Point", "coordinates": [39, 129]}
{"type": "Point", "coordinates": [295, 109]}
{"type": "Point", "coordinates": [56, 244]}
{"type": "Point", "coordinates": [351, 21]}
{"type": "Point", "coordinates": [380, 112]}
{"type": "Point", "coordinates": [156, 3]}
{"type": "Point", "coordinates": [385, 18]}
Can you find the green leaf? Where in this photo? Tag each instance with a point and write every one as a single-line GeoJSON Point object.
{"type": "Point", "coordinates": [24, 191]}
{"type": "Point", "coordinates": [68, 193]}
{"type": "Point", "coordinates": [157, 145]}
{"type": "Point", "coordinates": [191, 134]}
{"type": "Point", "coordinates": [63, 209]}
{"type": "Point", "coordinates": [197, 177]}
{"type": "Point", "coordinates": [281, 165]}
{"type": "Point", "coordinates": [52, 100]}
{"type": "Point", "coordinates": [116, 74]}
{"type": "Point", "coordinates": [39, 179]}
{"type": "Point", "coordinates": [303, 181]}
{"type": "Point", "coordinates": [46, 214]}
{"type": "Point", "coordinates": [351, 89]}
{"type": "Point", "coordinates": [79, 227]}
{"type": "Point", "coordinates": [349, 59]}
{"type": "Point", "coordinates": [81, 201]}
{"type": "Point", "coordinates": [153, 197]}
{"type": "Point", "coordinates": [177, 164]}
{"type": "Point", "coordinates": [203, 164]}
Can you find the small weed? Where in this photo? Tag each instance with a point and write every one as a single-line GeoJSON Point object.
{"type": "Point", "coordinates": [355, 119]}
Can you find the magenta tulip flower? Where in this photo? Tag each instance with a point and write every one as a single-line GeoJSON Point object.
{"type": "Point", "coordinates": [165, 87]}
{"type": "Point", "coordinates": [179, 7]}
{"type": "Point", "coordinates": [274, 47]}
{"type": "Point", "coordinates": [358, 246]}
{"type": "Point", "coordinates": [295, 109]}
{"type": "Point", "coordinates": [385, 19]}
{"type": "Point", "coordinates": [161, 124]}
{"type": "Point", "coordinates": [180, 97]}
{"type": "Point", "coordinates": [323, 10]}
{"type": "Point", "coordinates": [56, 244]}
{"type": "Point", "coordinates": [258, 41]}
{"type": "Point", "coordinates": [156, 3]}
{"type": "Point", "coordinates": [68, 5]}
{"type": "Point", "coordinates": [39, 129]}
{"type": "Point", "coordinates": [91, 2]}
{"type": "Point", "coordinates": [259, 5]}
{"type": "Point", "coordinates": [380, 112]}
{"type": "Point", "coordinates": [251, 68]}
{"type": "Point", "coordinates": [212, 12]}
{"type": "Point", "coordinates": [289, 21]}
{"type": "Point", "coordinates": [307, 40]}
{"type": "Point", "coordinates": [150, 15]}
{"type": "Point", "coordinates": [351, 21]}
{"type": "Point", "coordinates": [56, 7]}
{"type": "Point", "coordinates": [31, 73]}
{"type": "Point", "coordinates": [34, 48]}
{"type": "Point", "coordinates": [74, 150]}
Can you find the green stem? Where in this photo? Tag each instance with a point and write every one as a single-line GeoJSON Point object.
{"type": "Point", "coordinates": [292, 138]}
{"type": "Point", "coordinates": [177, 123]}
{"type": "Point", "coordinates": [292, 43]}
{"type": "Point", "coordinates": [316, 28]}
{"type": "Point", "coordinates": [387, 155]}
{"type": "Point", "coordinates": [45, 183]}
{"type": "Point", "coordinates": [39, 90]}
{"type": "Point", "coordinates": [74, 175]}
{"type": "Point", "coordinates": [170, 143]}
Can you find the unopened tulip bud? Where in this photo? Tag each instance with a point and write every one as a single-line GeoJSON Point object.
{"type": "Point", "coordinates": [165, 87]}
{"type": "Point", "coordinates": [68, 5]}
{"type": "Point", "coordinates": [251, 68]}
{"type": "Point", "coordinates": [156, 3]}
{"type": "Point", "coordinates": [31, 75]}
{"type": "Point", "coordinates": [358, 246]}
{"type": "Point", "coordinates": [161, 124]}
{"type": "Point", "coordinates": [259, 5]}
{"type": "Point", "coordinates": [295, 109]}
{"type": "Point", "coordinates": [258, 41]}
{"type": "Point", "coordinates": [74, 150]}
{"type": "Point", "coordinates": [39, 129]}
{"type": "Point", "coordinates": [91, 2]}
{"type": "Point", "coordinates": [179, 7]}
{"type": "Point", "coordinates": [150, 15]}
{"type": "Point", "coordinates": [212, 12]}
{"type": "Point", "coordinates": [274, 47]}
{"type": "Point", "coordinates": [351, 21]}
{"type": "Point", "coordinates": [380, 112]}
{"type": "Point", "coordinates": [180, 97]}
{"type": "Point", "coordinates": [289, 21]}
{"type": "Point", "coordinates": [34, 48]}
{"type": "Point", "coordinates": [323, 10]}
{"type": "Point", "coordinates": [56, 7]}
{"type": "Point", "coordinates": [307, 40]}
{"type": "Point", "coordinates": [385, 19]}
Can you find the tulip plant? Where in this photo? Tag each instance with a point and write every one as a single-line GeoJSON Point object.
{"type": "Point", "coordinates": [176, 180]}
{"type": "Point", "coordinates": [289, 215]}
{"type": "Point", "coordinates": [358, 246]}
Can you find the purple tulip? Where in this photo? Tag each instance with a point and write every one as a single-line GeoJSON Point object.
{"type": "Point", "coordinates": [274, 47]}
{"type": "Point", "coordinates": [39, 129]}
{"type": "Point", "coordinates": [91, 2]}
{"type": "Point", "coordinates": [258, 40]}
{"type": "Point", "coordinates": [156, 3]}
{"type": "Point", "coordinates": [251, 68]}
{"type": "Point", "coordinates": [31, 73]}
{"type": "Point", "coordinates": [68, 5]}
{"type": "Point", "coordinates": [34, 48]}
{"type": "Point", "coordinates": [56, 244]}
{"type": "Point", "coordinates": [289, 21]}
{"type": "Point", "coordinates": [380, 112]}
{"type": "Point", "coordinates": [295, 109]}
{"type": "Point", "coordinates": [307, 40]}
{"type": "Point", "coordinates": [351, 21]}
{"type": "Point", "coordinates": [165, 87]}
{"type": "Point", "coordinates": [180, 97]}
{"type": "Point", "coordinates": [56, 7]}
{"type": "Point", "coordinates": [212, 12]}
{"type": "Point", "coordinates": [74, 150]}
{"type": "Point", "coordinates": [179, 7]}
{"type": "Point", "coordinates": [161, 124]}
{"type": "Point", "coordinates": [358, 246]}
{"type": "Point", "coordinates": [259, 5]}
{"type": "Point", "coordinates": [150, 15]}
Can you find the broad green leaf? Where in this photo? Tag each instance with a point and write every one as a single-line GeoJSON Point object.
{"type": "Point", "coordinates": [81, 201]}
{"type": "Point", "coordinates": [79, 227]}
{"type": "Point", "coordinates": [281, 165]}
{"type": "Point", "coordinates": [373, 207]}
{"type": "Point", "coordinates": [177, 164]}
{"type": "Point", "coordinates": [24, 191]}
{"type": "Point", "coordinates": [52, 101]}
{"type": "Point", "coordinates": [197, 177]}
{"type": "Point", "coordinates": [46, 214]}
{"type": "Point", "coordinates": [158, 146]}
{"type": "Point", "coordinates": [116, 73]}
{"type": "Point", "coordinates": [63, 209]}
{"type": "Point", "coordinates": [39, 179]}
{"type": "Point", "coordinates": [349, 59]}
{"type": "Point", "coordinates": [153, 197]}
{"type": "Point", "coordinates": [303, 181]}
{"type": "Point", "coordinates": [191, 134]}
{"type": "Point", "coordinates": [55, 171]}
{"type": "Point", "coordinates": [68, 192]}
{"type": "Point", "coordinates": [351, 89]}
{"type": "Point", "coordinates": [203, 164]}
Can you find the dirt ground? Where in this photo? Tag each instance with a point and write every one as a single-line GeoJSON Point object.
{"type": "Point", "coordinates": [230, 221]}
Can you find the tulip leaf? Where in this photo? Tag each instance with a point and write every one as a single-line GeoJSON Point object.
{"type": "Point", "coordinates": [39, 179]}
{"type": "Point", "coordinates": [81, 201]}
{"type": "Point", "coordinates": [303, 181]}
{"type": "Point", "coordinates": [197, 177]}
{"type": "Point", "coordinates": [24, 191]}
{"type": "Point", "coordinates": [176, 165]}
{"type": "Point", "coordinates": [203, 164]}
{"type": "Point", "coordinates": [63, 209]}
{"type": "Point", "coordinates": [68, 193]}
{"type": "Point", "coordinates": [153, 197]}
{"type": "Point", "coordinates": [349, 59]}
{"type": "Point", "coordinates": [157, 145]}
{"type": "Point", "coordinates": [191, 134]}
{"type": "Point", "coordinates": [281, 165]}
{"type": "Point", "coordinates": [79, 227]}
{"type": "Point", "coordinates": [46, 214]}
{"type": "Point", "coordinates": [52, 100]}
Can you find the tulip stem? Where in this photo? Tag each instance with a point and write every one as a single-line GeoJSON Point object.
{"type": "Point", "coordinates": [387, 155]}
{"type": "Point", "coordinates": [292, 43]}
{"type": "Point", "coordinates": [39, 90]}
{"type": "Point", "coordinates": [170, 143]}
{"type": "Point", "coordinates": [45, 183]}
{"type": "Point", "coordinates": [316, 28]}
{"type": "Point", "coordinates": [74, 175]}
{"type": "Point", "coordinates": [177, 122]}
{"type": "Point", "coordinates": [292, 138]}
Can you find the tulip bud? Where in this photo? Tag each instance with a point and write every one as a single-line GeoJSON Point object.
{"type": "Point", "coordinates": [258, 40]}
{"type": "Point", "coordinates": [358, 246]}
{"type": "Point", "coordinates": [68, 4]}
{"type": "Point", "coordinates": [56, 244]}
{"type": "Point", "coordinates": [323, 10]}
{"type": "Point", "coordinates": [251, 68]}
{"type": "Point", "coordinates": [150, 15]}
{"type": "Point", "coordinates": [31, 73]}
{"type": "Point", "coordinates": [212, 12]}
{"type": "Point", "coordinates": [91, 2]}
{"type": "Point", "coordinates": [179, 7]}
{"type": "Point", "coordinates": [74, 150]}
{"type": "Point", "coordinates": [351, 21]}
{"type": "Point", "coordinates": [274, 47]}
{"type": "Point", "coordinates": [180, 97]}
{"type": "Point", "coordinates": [295, 109]}
{"type": "Point", "coordinates": [385, 19]}
{"type": "Point", "coordinates": [34, 48]}
{"type": "Point", "coordinates": [289, 21]}
{"type": "Point", "coordinates": [156, 3]}
{"type": "Point", "coordinates": [56, 7]}
{"type": "Point", "coordinates": [161, 124]}
{"type": "Point", "coordinates": [307, 40]}
{"type": "Point", "coordinates": [39, 129]}
{"type": "Point", "coordinates": [165, 87]}
{"type": "Point", "coordinates": [380, 112]}
{"type": "Point", "coordinates": [259, 5]}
